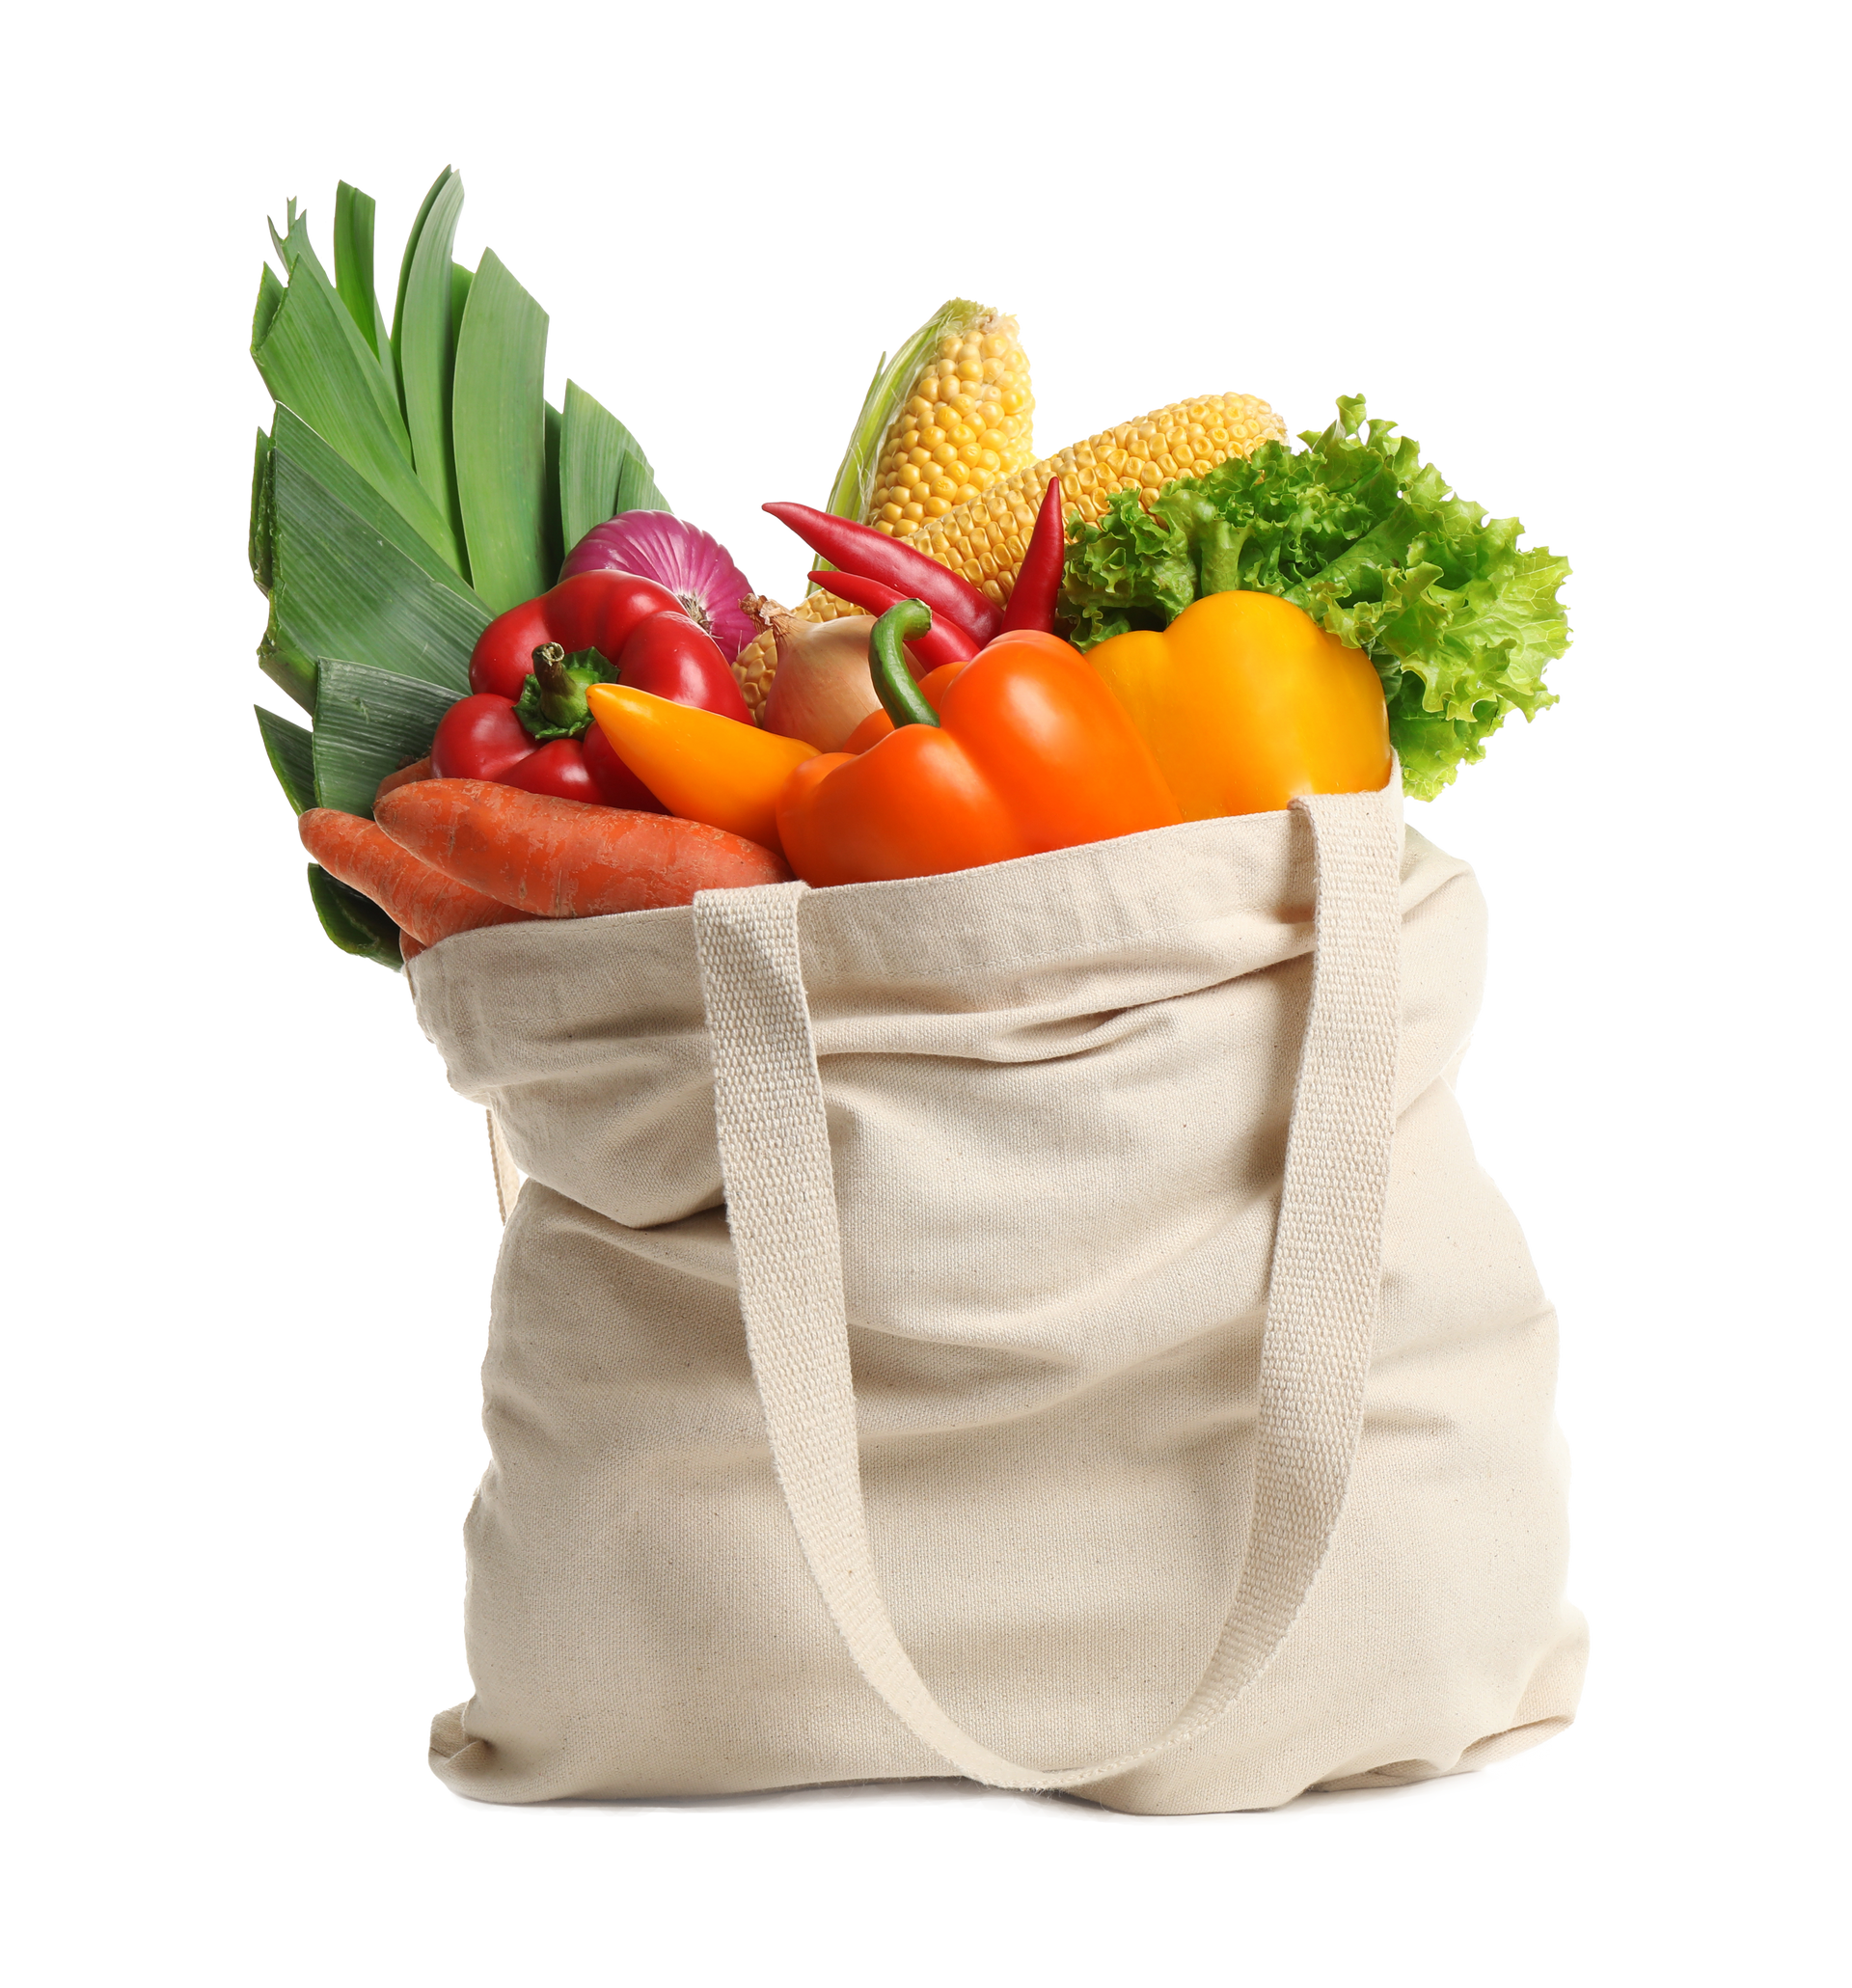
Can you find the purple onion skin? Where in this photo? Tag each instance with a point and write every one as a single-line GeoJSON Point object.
{"type": "Point", "coordinates": [696, 567]}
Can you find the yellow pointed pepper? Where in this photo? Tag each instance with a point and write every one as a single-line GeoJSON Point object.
{"type": "Point", "coordinates": [1246, 702]}
{"type": "Point", "coordinates": [698, 764]}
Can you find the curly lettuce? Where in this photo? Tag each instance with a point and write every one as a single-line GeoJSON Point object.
{"type": "Point", "coordinates": [1358, 530]}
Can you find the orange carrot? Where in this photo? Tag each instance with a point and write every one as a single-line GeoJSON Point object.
{"type": "Point", "coordinates": [568, 859]}
{"type": "Point", "coordinates": [419, 770]}
{"type": "Point", "coordinates": [417, 898]}
{"type": "Point", "coordinates": [409, 947]}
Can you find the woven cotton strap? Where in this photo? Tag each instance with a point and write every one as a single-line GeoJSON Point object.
{"type": "Point", "coordinates": [1321, 1303]}
{"type": "Point", "coordinates": [508, 1176]}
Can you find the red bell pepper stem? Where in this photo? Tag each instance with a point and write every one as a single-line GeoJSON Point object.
{"type": "Point", "coordinates": [861, 549]}
{"type": "Point", "coordinates": [562, 702]}
{"type": "Point", "coordinates": [1038, 581]}
{"type": "Point", "coordinates": [943, 642]}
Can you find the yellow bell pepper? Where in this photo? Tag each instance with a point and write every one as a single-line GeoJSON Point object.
{"type": "Point", "coordinates": [699, 764]}
{"type": "Point", "coordinates": [1246, 702]}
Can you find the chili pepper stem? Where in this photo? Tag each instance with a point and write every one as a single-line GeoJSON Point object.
{"type": "Point", "coordinates": [904, 622]}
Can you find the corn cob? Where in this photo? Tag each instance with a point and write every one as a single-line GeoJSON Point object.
{"type": "Point", "coordinates": [984, 538]}
{"type": "Point", "coordinates": [963, 426]}
{"type": "Point", "coordinates": [948, 413]}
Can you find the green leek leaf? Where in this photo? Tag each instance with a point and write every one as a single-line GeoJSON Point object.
{"type": "Point", "coordinates": [285, 662]}
{"type": "Point", "coordinates": [257, 533]}
{"type": "Point", "coordinates": [368, 722]}
{"type": "Point", "coordinates": [341, 587]}
{"type": "Point", "coordinates": [354, 247]}
{"type": "Point", "coordinates": [460, 282]}
{"type": "Point", "coordinates": [280, 242]}
{"type": "Point", "coordinates": [313, 358]}
{"type": "Point", "coordinates": [550, 518]}
{"type": "Point", "coordinates": [600, 466]}
{"type": "Point", "coordinates": [270, 294]}
{"type": "Point", "coordinates": [352, 243]}
{"type": "Point", "coordinates": [292, 243]}
{"type": "Point", "coordinates": [294, 438]}
{"type": "Point", "coordinates": [425, 346]}
{"type": "Point", "coordinates": [498, 427]}
{"type": "Point", "coordinates": [290, 751]}
{"type": "Point", "coordinates": [354, 921]}
{"type": "Point", "coordinates": [637, 479]}
{"type": "Point", "coordinates": [408, 251]}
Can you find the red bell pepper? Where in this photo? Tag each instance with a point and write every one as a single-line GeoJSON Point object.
{"type": "Point", "coordinates": [590, 611]}
{"type": "Point", "coordinates": [544, 742]}
{"type": "Point", "coordinates": [540, 737]}
{"type": "Point", "coordinates": [669, 656]}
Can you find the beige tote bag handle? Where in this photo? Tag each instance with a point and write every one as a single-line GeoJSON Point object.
{"type": "Point", "coordinates": [1321, 1300]}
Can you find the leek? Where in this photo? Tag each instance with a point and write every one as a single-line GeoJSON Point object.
{"type": "Point", "coordinates": [341, 587]}
{"type": "Point", "coordinates": [602, 469]}
{"type": "Point", "coordinates": [354, 921]}
{"type": "Point", "coordinates": [313, 358]}
{"type": "Point", "coordinates": [291, 755]}
{"type": "Point", "coordinates": [425, 347]}
{"type": "Point", "coordinates": [498, 427]}
{"type": "Point", "coordinates": [368, 723]}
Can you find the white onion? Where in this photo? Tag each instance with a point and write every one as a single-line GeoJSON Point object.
{"type": "Point", "coordinates": [823, 687]}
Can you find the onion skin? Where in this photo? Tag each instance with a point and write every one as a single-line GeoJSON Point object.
{"type": "Point", "coordinates": [823, 687]}
{"type": "Point", "coordinates": [695, 566]}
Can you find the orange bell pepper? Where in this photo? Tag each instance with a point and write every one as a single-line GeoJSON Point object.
{"type": "Point", "coordinates": [700, 765]}
{"type": "Point", "coordinates": [1018, 750]}
{"type": "Point", "coordinates": [1246, 702]}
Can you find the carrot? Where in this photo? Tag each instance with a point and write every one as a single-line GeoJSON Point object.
{"type": "Point", "coordinates": [419, 770]}
{"type": "Point", "coordinates": [417, 898]}
{"type": "Point", "coordinates": [568, 859]}
{"type": "Point", "coordinates": [409, 947]}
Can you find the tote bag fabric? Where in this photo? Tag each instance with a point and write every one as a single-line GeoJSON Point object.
{"type": "Point", "coordinates": [1044, 1323]}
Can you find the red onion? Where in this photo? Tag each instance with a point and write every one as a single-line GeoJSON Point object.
{"type": "Point", "coordinates": [696, 567]}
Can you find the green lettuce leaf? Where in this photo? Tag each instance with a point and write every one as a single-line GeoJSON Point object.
{"type": "Point", "coordinates": [1368, 539]}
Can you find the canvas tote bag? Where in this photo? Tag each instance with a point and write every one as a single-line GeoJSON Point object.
{"type": "Point", "coordinates": [1043, 1323]}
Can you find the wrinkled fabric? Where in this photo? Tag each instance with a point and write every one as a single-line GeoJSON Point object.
{"type": "Point", "coordinates": [1058, 1092]}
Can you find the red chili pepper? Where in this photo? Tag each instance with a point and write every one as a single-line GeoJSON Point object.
{"type": "Point", "coordinates": [940, 643]}
{"type": "Point", "coordinates": [1038, 580]}
{"type": "Point", "coordinates": [874, 556]}
{"type": "Point", "coordinates": [590, 611]}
